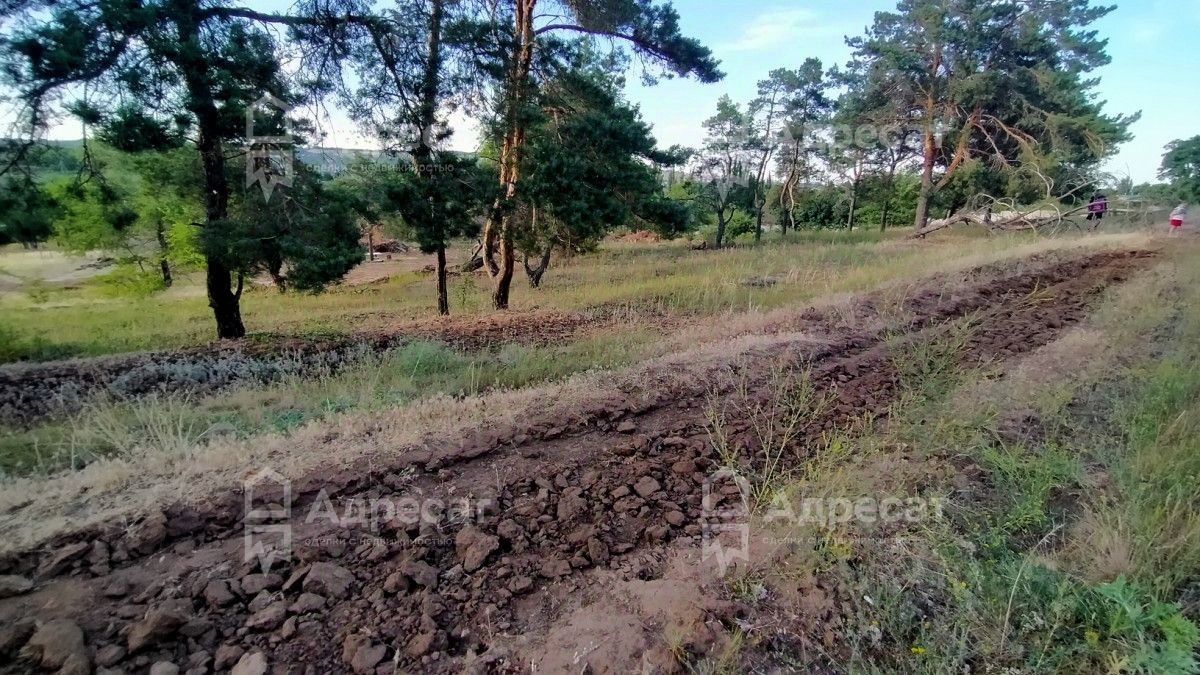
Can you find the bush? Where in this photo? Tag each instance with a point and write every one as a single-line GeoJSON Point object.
{"type": "Point", "coordinates": [131, 280]}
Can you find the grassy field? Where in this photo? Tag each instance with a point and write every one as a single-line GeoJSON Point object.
{"type": "Point", "coordinates": [88, 319]}
{"type": "Point", "coordinates": [655, 280]}
{"type": "Point", "coordinates": [1075, 542]}
{"type": "Point", "coordinates": [1067, 538]}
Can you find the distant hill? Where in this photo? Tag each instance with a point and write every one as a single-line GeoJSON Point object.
{"type": "Point", "coordinates": [331, 161]}
{"type": "Point", "coordinates": [336, 160]}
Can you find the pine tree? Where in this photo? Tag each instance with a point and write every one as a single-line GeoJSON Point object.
{"type": "Point", "coordinates": [589, 166]}
{"type": "Point", "coordinates": [806, 106]}
{"type": "Point", "coordinates": [179, 67]}
{"type": "Point", "coordinates": [27, 211]}
{"type": "Point", "coordinates": [724, 164]}
{"type": "Point", "coordinates": [652, 31]}
{"type": "Point", "coordinates": [996, 79]}
{"type": "Point", "coordinates": [1181, 166]}
{"type": "Point", "coordinates": [411, 69]}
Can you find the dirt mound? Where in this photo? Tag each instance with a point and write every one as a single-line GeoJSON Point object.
{"type": "Point", "coordinates": [33, 391]}
{"type": "Point", "coordinates": [488, 331]}
{"type": "Point", "coordinates": [559, 515]}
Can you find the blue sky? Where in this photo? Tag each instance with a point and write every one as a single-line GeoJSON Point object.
{"type": "Point", "coordinates": [1154, 44]}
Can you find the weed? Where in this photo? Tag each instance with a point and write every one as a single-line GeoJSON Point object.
{"type": "Point", "coordinates": [1024, 481]}
{"type": "Point", "coordinates": [727, 662]}
{"type": "Point", "coordinates": [1000, 585]}
{"type": "Point", "coordinates": [295, 392]}
{"type": "Point", "coordinates": [747, 587]}
{"type": "Point", "coordinates": [778, 414]}
{"type": "Point", "coordinates": [15, 347]}
{"type": "Point", "coordinates": [998, 597]}
{"type": "Point", "coordinates": [929, 364]}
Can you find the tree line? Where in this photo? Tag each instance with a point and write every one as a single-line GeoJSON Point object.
{"type": "Point", "coordinates": [941, 100]}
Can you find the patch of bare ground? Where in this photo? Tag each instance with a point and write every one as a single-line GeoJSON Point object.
{"type": "Point", "coordinates": [30, 392]}
{"type": "Point", "coordinates": [591, 507]}
{"type": "Point", "coordinates": [34, 392]}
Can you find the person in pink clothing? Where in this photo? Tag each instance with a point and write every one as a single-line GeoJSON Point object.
{"type": "Point", "coordinates": [1177, 217]}
{"type": "Point", "coordinates": [1097, 207]}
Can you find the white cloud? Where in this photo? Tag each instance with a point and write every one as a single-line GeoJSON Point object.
{"type": "Point", "coordinates": [772, 28]}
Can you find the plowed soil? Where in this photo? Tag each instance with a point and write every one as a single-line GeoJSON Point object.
{"type": "Point", "coordinates": [563, 515]}
{"type": "Point", "coordinates": [34, 391]}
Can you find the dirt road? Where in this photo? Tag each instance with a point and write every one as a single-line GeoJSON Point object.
{"type": "Point", "coordinates": [512, 535]}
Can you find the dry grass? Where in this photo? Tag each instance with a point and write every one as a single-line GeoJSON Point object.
{"type": "Point", "coordinates": [665, 277]}
{"type": "Point", "coordinates": [1064, 552]}
{"type": "Point", "coordinates": [141, 478]}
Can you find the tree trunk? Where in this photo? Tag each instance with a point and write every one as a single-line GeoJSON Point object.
{"type": "Point", "coordinates": [504, 278]}
{"type": "Point", "coordinates": [163, 264]}
{"type": "Point", "coordinates": [853, 206]}
{"type": "Point", "coordinates": [226, 304]}
{"type": "Point", "coordinates": [855, 186]}
{"type": "Point", "coordinates": [223, 301]}
{"type": "Point", "coordinates": [759, 207]}
{"type": "Point", "coordinates": [535, 274]}
{"type": "Point", "coordinates": [930, 150]}
{"type": "Point", "coordinates": [423, 154]}
{"type": "Point", "coordinates": [926, 183]}
{"type": "Point", "coordinates": [442, 292]}
{"type": "Point", "coordinates": [790, 207]}
{"type": "Point", "coordinates": [275, 268]}
{"type": "Point", "coordinates": [760, 197]}
{"type": "Point", "coordinates": [787, 192]}
{"type": "Point", "coordinates": [786, 213]}
{"type": "Point", "coordinates": [887, 200]}
{"type": "Point", "coordinates": [721, 223]}
{"type": "Point", "coordinates": [430, 83]}
{"type": "Point", "coordinates": [499, 226]}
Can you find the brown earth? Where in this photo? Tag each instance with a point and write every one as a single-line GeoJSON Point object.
{"type": "Point", "coordinates": [30, 392]}
{"type": "Point", "coordinates": [579, 551]}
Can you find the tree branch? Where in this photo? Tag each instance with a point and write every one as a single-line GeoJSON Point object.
{"type": "Point", "coordinates": [639, 42]}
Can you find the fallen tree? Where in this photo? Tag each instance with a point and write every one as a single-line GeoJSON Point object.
{"type": "Point", "coordinates": [1007, 220]}
{"type": "Point", "coordinates": [1004, 215]}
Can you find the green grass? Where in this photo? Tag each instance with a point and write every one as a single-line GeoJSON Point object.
{"type": "Point", "coordinates": [1157, 467]}
{"type": "Point", "coordinates": [665, 277]}
{"type": "Point", "coordinates": [89, 320]}
{"type": "Point", "coordinates": [175, 425]}
{"type": "Point", "coordinates": [1020, 576]}
{"type": "Point", "coordinates": [1006, 602]}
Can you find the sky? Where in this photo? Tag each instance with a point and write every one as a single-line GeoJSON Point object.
{"type": "Point", "coordinates": [1154, 45]}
